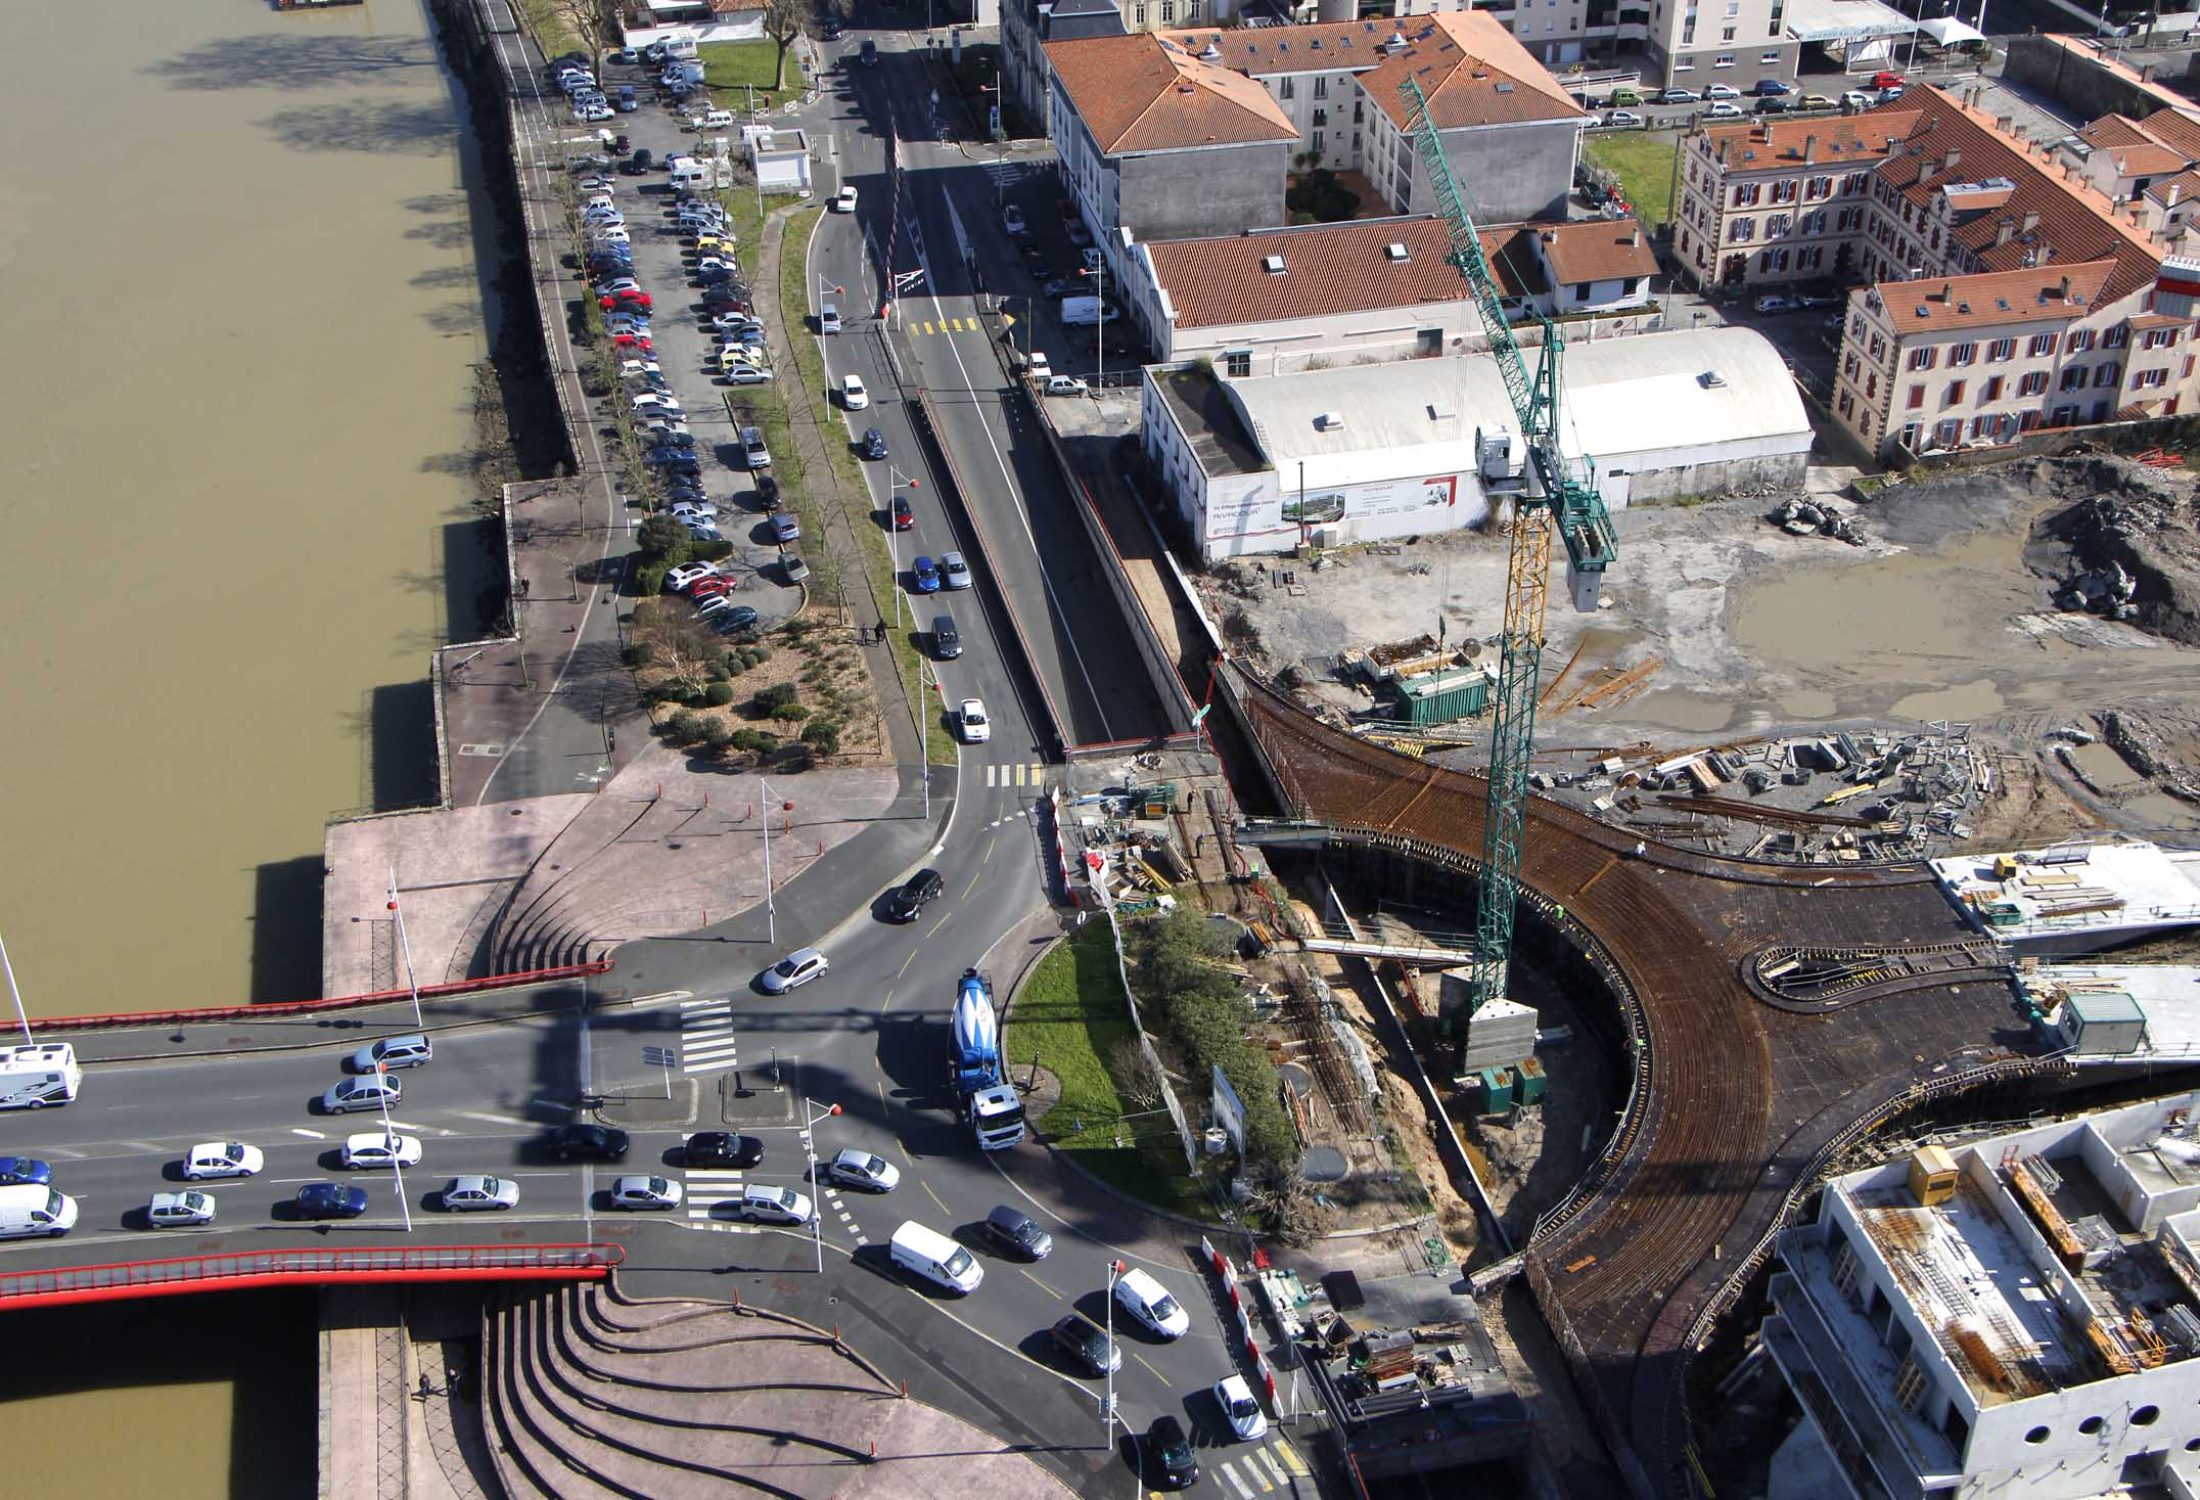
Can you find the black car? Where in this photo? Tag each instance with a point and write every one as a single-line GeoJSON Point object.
{"type": "Point", "coordinates": [582, 1142]}
{"type": "Point", "coordinates": [767, 492]}
{"type": "Point", "coordinates": [907, 899]}
{"type": "Point", "coordinates": [1014, 1232]}
{"type": "Point", "coordinates": [1165, 1459]}
{"type": "Point", "coordinates": [874, 443]}
{"type": "Point", "coordinates": [1773, 104]}
{"type": "Point", "coordinates": [832, 31]}
{"type": "Point", "coordinates": [722, 1148]}
{"type": "Point", "coordinates": [330, 1200]}
{"type": "Point", "coordinates": [1086, 1346]}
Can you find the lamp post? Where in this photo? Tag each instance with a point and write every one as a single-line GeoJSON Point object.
{"type": "Point", "coordinates": [405, 946]}
{"type": "Point", "coordinates": [389, 1136]}
{"type": "Point", "coordinates": [771, 915]}
{"type": "Point", "coordinates": [810, 1116]}
{"type": "Point", "coordinates": [1107, 1407]}
{"type": "Point", "coordinates": [894, 479]}
{"type": "Point", "coordinates": [21, 1019]}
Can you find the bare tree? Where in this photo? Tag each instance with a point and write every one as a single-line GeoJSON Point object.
{"type": "Point", "coordinates": [592, 22]}
{"type": "Point", "coordinates": [1134, 1075]}
{"type": "Point", "coordinates": [681, 644]}
{"type": "Point", "coordinates": [783, 21]}
{"type": "Point", "coordinates": [1287, 1201]}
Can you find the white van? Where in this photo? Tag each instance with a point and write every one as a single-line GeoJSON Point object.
{"type": "Point", "coordinates": [936, 1258]}
{"type": "Point", "coordinates": [28, 1210]}
{"type": "Point", "coordinates": [1085, 311]}
{"type": "Point", "coordinates": [690, 174]}
{"type": "Point", "coordinates": [677, 47]}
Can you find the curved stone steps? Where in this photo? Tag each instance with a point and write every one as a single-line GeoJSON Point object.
{"type": "Point", "coordinates": [553, 1459]}
{"type": "Point", "coordinates": [642, 1369]}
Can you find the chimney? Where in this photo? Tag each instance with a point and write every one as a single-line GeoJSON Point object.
{"type": "Point", "coordinates": [2031, 220]}
{"type": "Point", "coordinates": [1550, 236]}
{"type": "Point", "coordinates": [1810, 150]}
{"type": "Point", "coordinates": [1948, 163]}
{"type": "Point", "coordinates": [2005, 230]}
{"type": "Point", "coordinates": [1635, 239]}
{"type": "Point", "coordinates": [1947, 291]}
{"type": "Point", "coordinates": [2066, 289]}
{"type": "Point", "coordinates": [2173, 192]}
{"type": "Point", "coordinates": [2003, 123]}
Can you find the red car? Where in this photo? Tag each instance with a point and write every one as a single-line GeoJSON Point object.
{"type": "Point", "coordinates": [630, 341]}
{"type": "Point", "coordinates": [1884, 80]}
{"type": "Point", "coordinates": [704, 588]}
{"type": "Point", "coordinates": [640, 300]}
{"type": "Point", "coordinates": [905, 519]}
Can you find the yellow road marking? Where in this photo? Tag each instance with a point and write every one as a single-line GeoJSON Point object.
{"type": "Point", "coordinates": [968, 889]}
{"type": "Point", "coordinates": [905, 963]}
{"type": "Point", "coordinates": [1143, 1360]}
{"type": "Point", "coordinates": [935, 1197]}
{"type": "Point", "coordinates": [1290, 1456]}
{"type": "Point", "coordinates": [1042, 1286]}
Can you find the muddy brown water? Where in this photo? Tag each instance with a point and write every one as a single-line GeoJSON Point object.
{"type": "Point", "coordinates": [242, 307]}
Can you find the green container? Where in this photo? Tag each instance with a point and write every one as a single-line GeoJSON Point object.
{"type": "Point", "coordinates": [1440, 697]}
{"type": "Point", "coordinates": [1497, 1090]}
{"type": "Point", "coordinates": [1531, 1081]}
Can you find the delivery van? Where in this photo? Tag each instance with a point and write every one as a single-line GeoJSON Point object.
{"type": "Point", "coordinates": [931, 1256]}
{"type": "Point", "coordinates": [31, 1210]}
{"type": "Point", "coordinates": [679, 47]}
{"type": "Point", "coordinates": [1084, 312]}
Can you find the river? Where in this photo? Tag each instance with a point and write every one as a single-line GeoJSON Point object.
{"type": "Point", "coordinates": [243, 309]}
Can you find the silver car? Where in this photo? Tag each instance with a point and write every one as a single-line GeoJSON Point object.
{"type": "Point", "coordinates": [471, 1194]}
{"type": "Point", "coordinates": [180, 1210]}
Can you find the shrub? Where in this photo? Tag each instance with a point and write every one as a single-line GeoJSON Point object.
{"type": "Point", "coordinates": [718, 694]}
{"type": "Point", "coordinates": [649, 576]}
{"type": "Point", "coordinates": [778, 696]}
{"type": "Point", "coordinates": [684, 727]}
{"type": "Point", "coordinates": [796, 757]}
{"type": "Point", "coordinates": [755, 656]}
{"type": "Point", "coordinates": [639, 654]}
{"type": "Point", "coordinates": [718, 671]}
{"type": "Point", "coordinates": [791, 713]}
{"type": "Point", "coordinates": [670, 690]}
{"type": "Point", "coordinates": [709, 551]}
{"type": "Point", "coordinates": [755, 741]}
{"type": "Point", "coordinates": [717, 733]}
{"type": "Point", "coordinates": [661, 536]}
{"type": "Point", "coordinates": [822, 736]}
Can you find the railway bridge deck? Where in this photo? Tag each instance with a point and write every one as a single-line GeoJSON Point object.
{"type": "Point", "coordinates": [1742, 1101]}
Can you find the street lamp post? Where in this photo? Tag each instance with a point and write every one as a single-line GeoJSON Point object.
{"type": "Point", "coordinates": [405, 946]}
{"type": "Point", "coordinates": [21, 1019]}
{"type": "Point", "coordinates": [1107, 1408]}
{"type": "Point", "coordinates": [389, 1135]}
{"type": "Point", "coordinates": [771, 915]}
{"type": "Point", "coordinates": [895, 478]}
{"type": "Point", "coordinates": [810, 1116]}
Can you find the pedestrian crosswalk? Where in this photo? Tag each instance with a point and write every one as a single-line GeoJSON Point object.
{"type": "Point", "coordinates": [1271, 1469]}
{"type": "Point", "coordinates": [707, 1042]}
{"type": "Point", "coordinates": [834, 1206]}
{"type": "Point", "coordinates": [1033, 773]}
{"type": "Point", "coordinates": [943, 325]}
{"type": "Point", "coordinates": [712, 1199]}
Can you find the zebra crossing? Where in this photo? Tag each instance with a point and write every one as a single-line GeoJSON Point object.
{"type": "Point", "coordinates": [1273, 1468]}
{"type": "Point", "coordinates": [831, 1197]}
{"type": "Point", "coordinates": [711, 1196]}
{"type": "Point", "coordinates": [707, 1042]}
{"type": "Point", "coordinates": [943, 325]}
{"type": "Point", "coordinates": [1020, 774]}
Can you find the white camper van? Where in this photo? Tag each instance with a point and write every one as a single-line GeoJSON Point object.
{"type": "Point", "coordinates": [33, 1077]}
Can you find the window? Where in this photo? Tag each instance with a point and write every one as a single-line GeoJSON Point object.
{"type": "Point", "coordinates": [1924, 359]}
{"type": "Point", "coordinates": [1770, 58]}
{"type": "Point", "coordinates": [1238, 363]}
{"type": "Point", "coordinates": [1871, 386]}
{"type": "Point", "coordinates": [1321, 117]}
{"type": "Point", "coordinates": [1963, 354]}
{"type": "Point", "coordinates": [1168, 12]}
{"type": "Point", "coordinates": [2001, 349]}
{"type": "Point", "coordinates": [1686, 64]}
{"type": "Point", "coordinates": [1318, 143]}
{"type": "Point", "coordinates": [1138, 22]}
{"type": "Point", "coordinates": [2159, 338]}
{"type": "Point", "coordinates": [1321, 88]}
{"type": "Point", "coordinates": [1786, 190]}
{"type": "Point", "coordinates": [1990, 390]}
{"type": "Point", "coordinates": [2080, 340]}
{"type": "Point", "coordinates": [2117, 337]}
{"type": "Point", "coordinates": [2147, 380]}
{"type": "Point", "coordinates": [1746, 193]}
{"type": "Point", "coordinates": [1581, 292]}
{"type": "Point", "coordinates": [1811, 259]}
{"type": "Point", "coordinates": [1778, 224]}
{"type": "Point", "coordinates": [1285, 87]}
{"type": "Point", "coordinates": [1741, 231]}
{"type": "Point", "coordinates": [1915, 399]}
{"type": "Point", "coordinates": [1726, 34]}
{"type": "Point", "coordinates": [2108, 374]}
{"type": "Point", "coordinates": [2033, 384]}
{"type": "Point", "coordinates": [2073, 378]}
{"type": "Point", "coordinates": [1851, 220]}
{"type": "Point", "coordinates": [1725, 59]}
{"type": "Point", "coordinates": [1954, 395]}
{"type": "Point", "coordinates": [2043, 344]}
{"type": "Point", "coordinates": [1818, 187]}
{"type": "Point", "coordinates": [1947, 434]}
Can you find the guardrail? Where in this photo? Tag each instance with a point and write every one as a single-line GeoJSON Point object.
{"type": "Point", "coordinates": [263, 1268]}
{"type": "Point", "coordinates": [310, 1007]}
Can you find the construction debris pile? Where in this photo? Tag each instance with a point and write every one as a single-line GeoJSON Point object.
{"type": "Point", "coordinates": [1898, 797]}
{"type": "Point", "coordinates": [1807, 517]}
{"type": "Point", "coordinates": [2134, 546]}
{"type": "Point", "coordinates": [1128, 850]}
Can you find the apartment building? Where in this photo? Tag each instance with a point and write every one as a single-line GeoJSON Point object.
{"type": "Point", "coordinates": [2148, 164]}
{"type": "Point", "coordinates": [1026, 28]}
{"type": "Point", "coordinates": [1784, 201]}
{"type": "Point", "coordinates": [1696, 43]}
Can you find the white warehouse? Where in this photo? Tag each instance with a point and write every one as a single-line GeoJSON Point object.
{"type": "Point", "coordinates": [2018, 1317]}
{"type": "Point", "coordinates": [1358, 454]}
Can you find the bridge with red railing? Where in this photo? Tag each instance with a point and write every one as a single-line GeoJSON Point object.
{"type": "Point", "coordinates": [253, 1269]}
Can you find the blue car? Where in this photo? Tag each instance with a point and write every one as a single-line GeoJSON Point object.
{"type": "Point", "coordinates": [926, 574]}
{"type": "Point", "coordinates": [331, 1200]}
{"type": "Point", "coordinates": [23, 1171]}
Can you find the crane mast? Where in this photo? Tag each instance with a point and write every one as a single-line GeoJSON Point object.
{"type": "Point", "coordinates": [1557, 496]}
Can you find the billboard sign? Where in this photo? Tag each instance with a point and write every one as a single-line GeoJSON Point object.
{"type": "Point", "coordinates": [1229, 1111]}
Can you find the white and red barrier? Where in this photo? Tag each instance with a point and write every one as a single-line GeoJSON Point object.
{"type": "Point", "coordinates": [1234, 1292]}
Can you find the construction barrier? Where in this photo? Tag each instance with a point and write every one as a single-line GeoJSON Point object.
{"type": "Point", "coordinates": [1263, 1372]}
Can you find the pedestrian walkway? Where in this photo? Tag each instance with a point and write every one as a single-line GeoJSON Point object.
{"type": "Point", "coordinates": [712, 1196]}
{"type": "Point", "coordinates": [919, 326]}
{"type": "Point", "coordinates": [831, 1201]}
{"type": "Point", "coordinates": [1023, 773]}
{"type": "Point", "coordinates": [1273, 1468]}
{"type": "Point", "coordinates": [707, 1042]}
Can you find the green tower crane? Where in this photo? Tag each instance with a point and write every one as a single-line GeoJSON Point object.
{"type": "Point", "coordinates": [1555, 493]}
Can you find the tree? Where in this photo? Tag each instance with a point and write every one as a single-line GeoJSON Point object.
{"type": "Point", "coordinates": [1135, 1079]}
{"type": "Point", "coordinates": [1287, 1202]}
{"type": "Point", "coordinates": [681, 644]}
{"type": "Point", "coordinates": [660, 534]}
{"type": "Point", "coordinates": [783, 23]}
{"type": "Point", "coordinates": [592, 23]}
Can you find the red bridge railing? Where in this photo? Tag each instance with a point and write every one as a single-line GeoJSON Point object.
{"type": "Point", "coordinates": [280, 1008]}
{"type": "Point", "coordinates": [265, 1268]}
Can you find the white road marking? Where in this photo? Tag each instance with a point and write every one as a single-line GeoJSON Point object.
{"type": "Point", "coordinates": [486, 1118]}
{"type": "Point", "coordinates": [311, 1135]}
{"type": "Point", "coordinates": [648, 1002]}
{"type": "Point", "coordinates": [1236, 1483]}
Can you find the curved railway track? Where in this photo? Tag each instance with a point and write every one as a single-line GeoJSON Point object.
{"type": "Point", "coordinates": [1743, 1097]}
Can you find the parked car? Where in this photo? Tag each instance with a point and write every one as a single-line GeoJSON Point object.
{"type": "Point", "coordinates": [844, 201]}
{"type": "Point", "coordinates": [954, 572]}
{"type": "Point", "coordinates": [25, 1171]}
{"type": "Point", "coordinates": [645, 1193]}
{"type": "Point", "coordinates": [479, 1194]}
{"type": "Point", "coordinates": [1722, 110]}
{"type": "Point", "coordinates": [376, 1148]}
{"type": "Point", "coordinates": [1886, 80]}
{"type": "Point", "coordinates": [687, 574]}
{"type": "Point", "coordinates": [1774, 302]}
{"type": "Point", "coordinates": [770, 1205]}
{"type": "Point", "coordinates": [796, 969]}
{"type": "Point", "coordinates": [1624, 119]}
{"type": "Point", "coordinates": [747, 375]}
{"type": "Point", "coordinates": [1150, 1304]}
{"type": "Point", "coordinates": [708, 588]}
{"type": "Point", "coordinates": [738, 618]}
{"type": "Point", "coordinates": [711, 604]}
{"type": "Point", "coordinates": [1086, 1345]}
{"type": "Point", "coordinates": [1064, 385]}
{"type": "Point", "coordinates": [1240, 1410]}
{"type": "Point", "coordinates": [924, 575]}
{"type": "Point", "coordinates": [904, 901]}
{"type": "Point", "coordinates": [1774, 105]}
{"type": "Point", "coordinates": [1814, 101]}
{"type": "Point", "coordinates": [1015, 1233]}
{"type": "Point", "coordinates": [793, 568]}
{"type": "Point", "coordinates": [786, 528]}
{"type": "Point", "coordinates": [1678, 96]}
{"type": "Point", "coordinates": [722, 1148]}
{"type": "Point", "coordinates": [1012, 219]}
{"type": "Point", "coordinates": [1854, 101]}
{"type": "Point", "coordinates": [1722, 91]}
{"type": "Point", "coordinates": [221, 1159]}
{"type": "Point", "coordinates": [581, 1141]}
{"type": "Point", "coordinates": [1772, 88]}
{"type": "Point", "coordinates": [767, 492]}
{"type": "Point", "coordinates": [180, 1210]}
{"type": "Point", "coordinates": [863, 1170]}
{"type": "Point", "coordinates": [971, 719]}
{"type": "Point", "coordinates": [329, 1200]}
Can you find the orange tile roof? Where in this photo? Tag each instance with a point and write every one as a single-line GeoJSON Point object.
{"type": "Point", "coordinates": [1331, 47]}
{"type": "Point", "coordinates": [2076, 223]}
{"type": "Point", "coordinates": [1328, 269]}
{"type": "Point", "coordinates": [2170, 191]}
{"type": "Point", "coordinates": [1141, 93]}
{"type": "Point", "coordinates": [2176, 130]}
{"type": "Point", "coordinates": [1473, 72]}
{"type": "Point", "coordinates": [2114, 130]}
{"type": "Point", "coordinates": [1599, 250]}
{"type": "Point", "coordinates": [1941, 304]}
{"type": "Point", "coordinates": [1849, 141]}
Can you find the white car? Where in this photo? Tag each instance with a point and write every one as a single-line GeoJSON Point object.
{"type": "Point", "coordinates": [1149, 1303]}
{"type": "Point", "coordinates": [954, 572]}
{"type": "Point", "coordinates": [852, 394]}
{"type": "Point", "coordinates": [372, 1148]}
{"type": "Point", "coordinates": [1623, 119]}
{"type": "Point", "coordinates": [473, 1194]}
{"type": "Point", "coordinates": [180, 1210]}
{"type": "Point", "coordinates": [659, 402]}
{"type": "Point", "coordinates": [772, 1205]}
{"type": "Point", "coordinates": [645, 1192]}
{"type": "Point", "coordinates": [1722, 110]}
{"type": "Point", "coordinates": [976, 727]}
{"type": "Point", "coordinates": [862, 1169]}
{"type": "Point", "coordinates": [844, 201]}
{"type": "Point", "coordinates": [737, 323]}
{"type": "Point", "coordinates": [1722, 91]}
{"type": "Point", "coordinates": [221, 1159]}
{"type": "Point", "coordinates": [595, 114]}
{"type": "Point", "coordinates": [796, 969]}
{"type": "Point", "coordinates": [1774, 302]}
{"type": "Point", "coordinates": [679, 578]}
{"type": "Point", "coordinates": [640, 369]}
{"type": "Point", "coordinates": [596, 184]}
{"type": "Point", "coordinates": [696, 510]}
{"type": "Point", "coordinates": [1012, 219]}
{"type": "Point", "coordinates": [1246, 1418]}
{"type": "Point", "coordinates": [715, 602]}
{"type": "Point", "coordinates": [717, 119]}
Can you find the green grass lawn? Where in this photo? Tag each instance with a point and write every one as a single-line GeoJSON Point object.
{"type": "Point", "coordinates": [1643, 161]}
{"type": "Point", "coordinates": [731, 68]}
{"type": "Point", "coordinates": [1070, 1016]}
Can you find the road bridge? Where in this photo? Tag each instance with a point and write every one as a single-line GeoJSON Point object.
{"type": "Point", "coordinates": [1737, 1103]}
